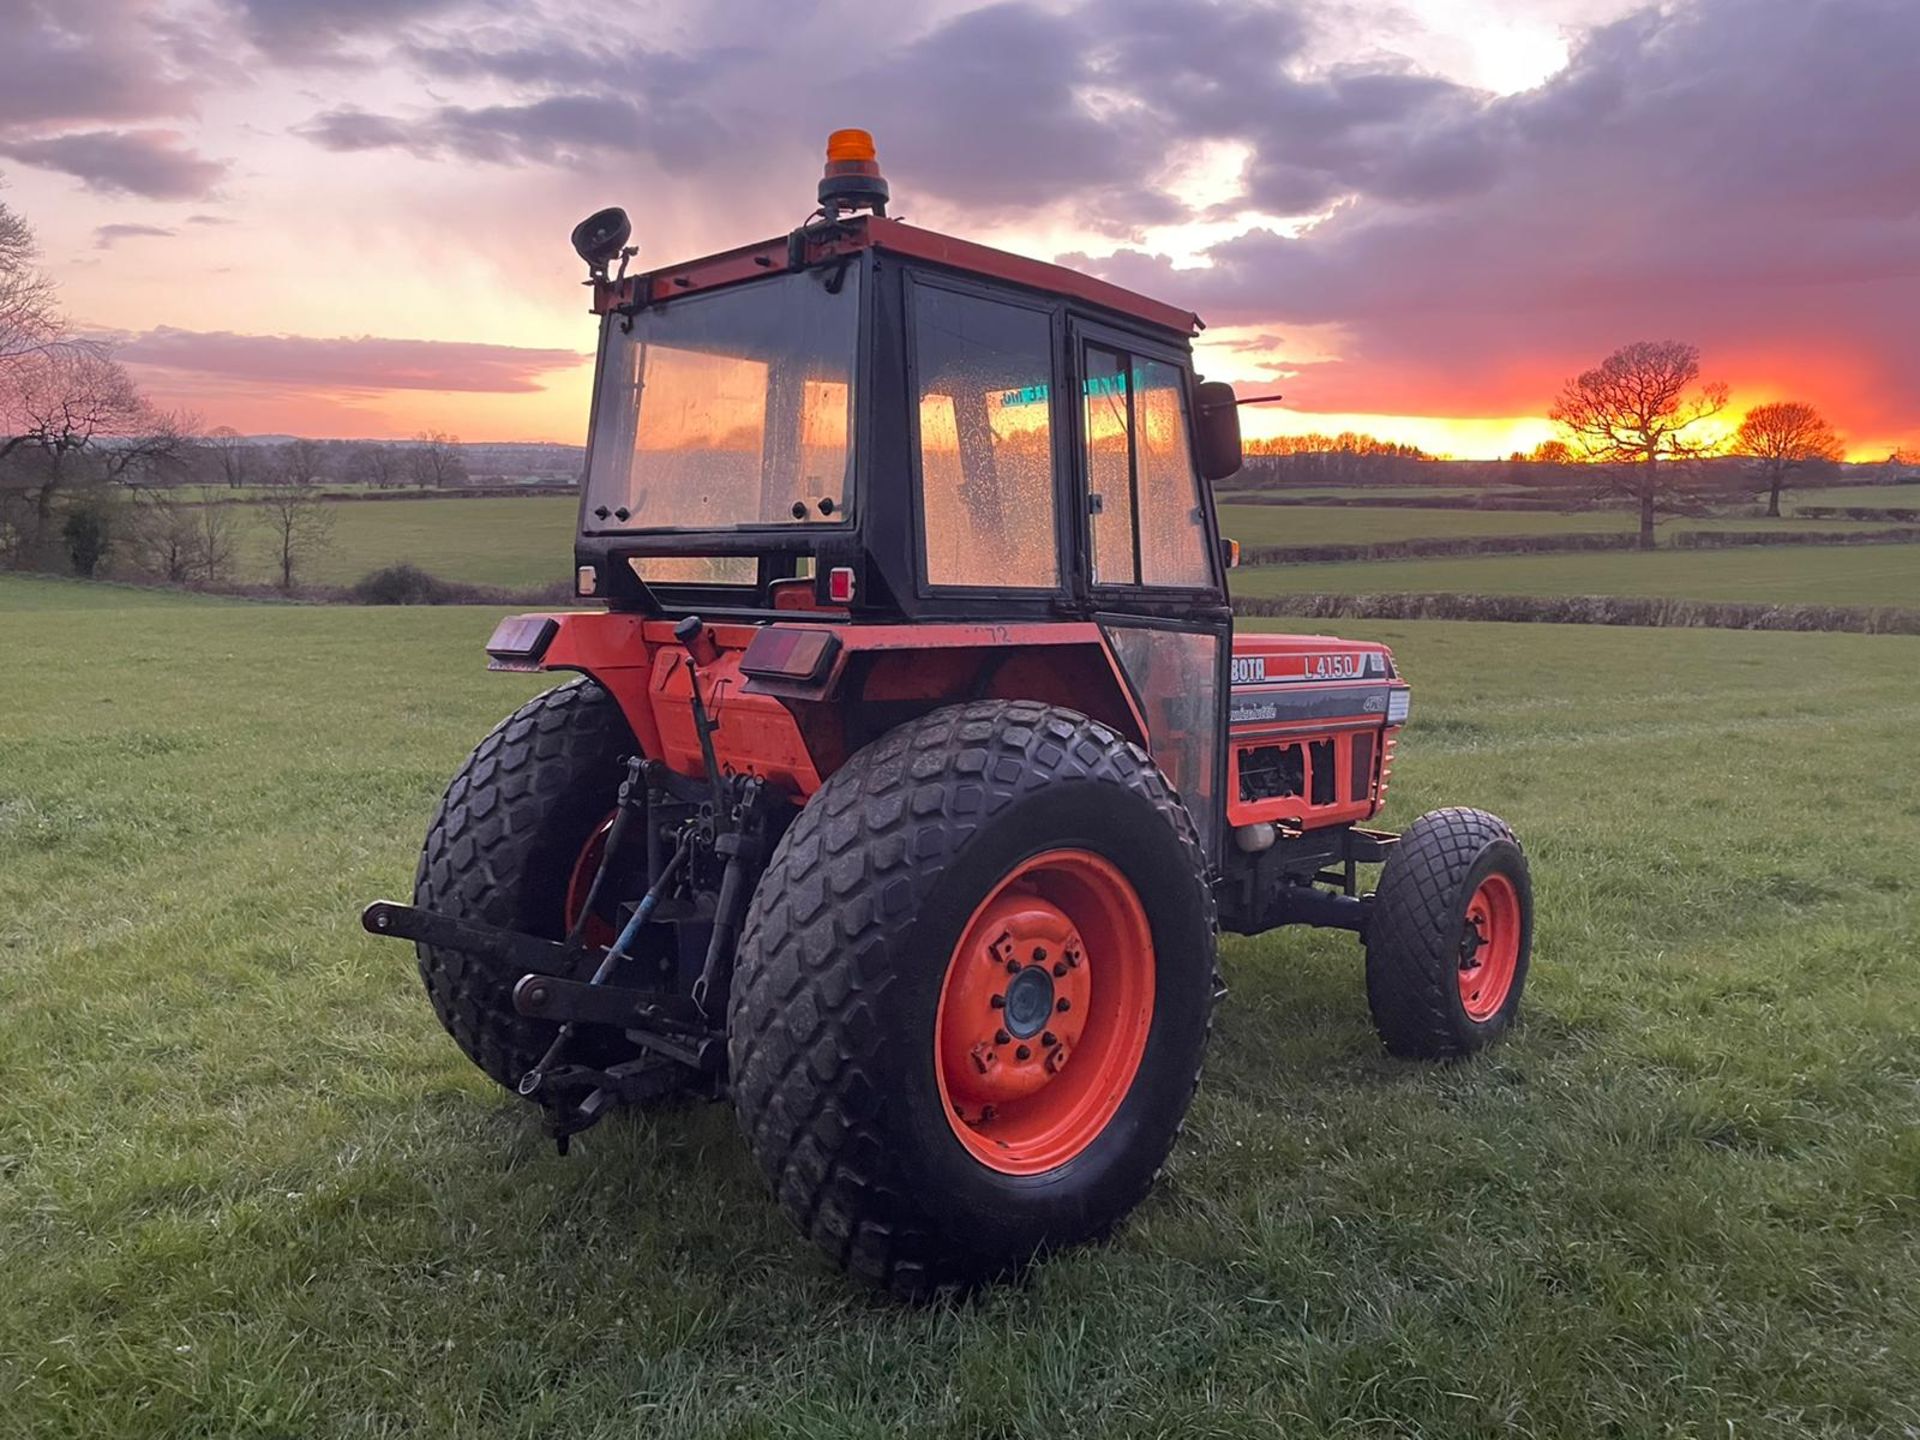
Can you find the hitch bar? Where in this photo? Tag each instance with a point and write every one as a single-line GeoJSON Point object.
{"type": "Point", "coordinates": [542, 993]}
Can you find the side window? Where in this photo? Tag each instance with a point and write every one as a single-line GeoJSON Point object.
{"type": "Point", "coordinates": [1144, 494]}
{"type": "Point", "coordinates": [1110, 469]}
{"type": "Point", "coordinates": [986, 441]}
{"type": "Point", "coordinates": [1173, 531]}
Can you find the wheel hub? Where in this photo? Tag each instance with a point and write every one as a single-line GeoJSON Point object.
{"type": "Point", "coordinates": [1017, 1003]}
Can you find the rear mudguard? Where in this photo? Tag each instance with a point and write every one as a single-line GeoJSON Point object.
{"type": "Point", "coordinates": [795, 729]}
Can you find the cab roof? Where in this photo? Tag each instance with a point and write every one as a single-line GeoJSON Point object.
{"type": "Point", "coordinates": [815, 244]}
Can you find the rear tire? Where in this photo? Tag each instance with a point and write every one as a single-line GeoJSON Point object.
{"type": "Point", "coordinates": [1450, 936]}
{"type": "Point", "coordinates": [502, 849]}
{"type": "Point", "coordinates": [927, 849]}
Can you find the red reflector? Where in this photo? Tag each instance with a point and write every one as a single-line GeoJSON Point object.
{"type": "Point", "coordinates": [781, 653]}
{"type": "Point", "coordinates": [840, 585]}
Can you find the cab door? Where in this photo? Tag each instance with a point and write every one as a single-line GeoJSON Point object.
{"type": "Point", "coordinates": [1148, 556]}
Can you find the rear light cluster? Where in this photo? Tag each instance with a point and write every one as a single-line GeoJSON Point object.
{"type": "Point", "coordinates": [781, 652]}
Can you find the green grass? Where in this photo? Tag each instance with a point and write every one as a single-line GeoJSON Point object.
{"type": "Point", "coordinates": [1865, 575]}
{"type": "Point", "coordinates": [248, 1187]}
{"type": "Point", "coordinates": [1888, 497]}
{"type": "Point", "coordinates": [520, 542]}
{"type": "Point", "coordinates": [1366, 525]}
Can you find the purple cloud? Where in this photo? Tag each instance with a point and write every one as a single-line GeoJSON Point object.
{"type": "Point", "coordinates": [105, 237]}
{"type": "Point", "coordinates": [347, 363]}
{"type": "Point", "coordinates": [149, 163]}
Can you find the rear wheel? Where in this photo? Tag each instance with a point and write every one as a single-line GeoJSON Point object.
{"type": "Point", "coordinates": [1450, 935]}
{"type": "Point", "coordinates": [515, 843]}
{"type": "Point", "coordinates": [972, 994]}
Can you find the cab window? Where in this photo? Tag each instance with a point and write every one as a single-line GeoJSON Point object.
{"type": "Point", "coordinates": [985, 441]}
{"type": "Point", "coordinates": [1146, 522]}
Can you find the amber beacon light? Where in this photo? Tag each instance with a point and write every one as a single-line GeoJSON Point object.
{"type": "Point", "coordinates": [852, 180]}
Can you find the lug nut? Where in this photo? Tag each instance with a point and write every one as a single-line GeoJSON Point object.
{"type": "Point", "coordinates": [1059, 968]}
{"type": "Point", "coordinates": [999, 1002]}
{"type": "Point", "coordinates": [1025, 1052]}
{"type": "Point", "coordinates": [1039, 954]}
{"type": "Point", "coordinates": [1000, 1037]}
{"type": "Point", "coordinates": [1049, 1039]}
{"type": "Point", "coordinates": [1063, 1004]}
{"type": "Point", "coordinates": [1013, 967]}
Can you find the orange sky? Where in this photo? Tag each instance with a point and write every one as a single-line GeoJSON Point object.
{"type": "Point", "coordinates": [1416, 222]}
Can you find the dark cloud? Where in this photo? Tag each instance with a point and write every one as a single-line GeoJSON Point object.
{"type": "Point", "coordinates": [1739, 172]}
{"type": "Point", "coordinates": [349, 363]}
{"type": "Point", "coordinates": [71, 62]}
{"type": "Point", "coordinates": [1002, 110]}
{"type": "Point", "coordinates": [320, 32]}
{"type": "Point", "coordinates": [105, 237]}
{"type": "Point", "coordinates": [209, 220]}
{"type": "Point", "coordinates": [149, 163]}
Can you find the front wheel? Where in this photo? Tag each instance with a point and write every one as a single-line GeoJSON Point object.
{"type": "Point", "coordinates": [972, 995]}
{"type": "Point", "coordinates": [1450, 936]}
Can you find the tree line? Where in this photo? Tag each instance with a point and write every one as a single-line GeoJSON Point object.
{"type": "Point", "coordinates": [92, 471]}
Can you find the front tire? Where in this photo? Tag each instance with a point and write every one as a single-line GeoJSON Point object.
{"type": "Point", "coordinates": [1450, 936]}
{"type": "Point", "coordinates": [919, 1099]}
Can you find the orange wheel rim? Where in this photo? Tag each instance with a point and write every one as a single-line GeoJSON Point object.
{"type": "Point", "coordinates": [1044, 1011]}
{"type": "Point", "coordinates": [1489, 948]}
{"type": "Point", "coordinates": [580, 881]}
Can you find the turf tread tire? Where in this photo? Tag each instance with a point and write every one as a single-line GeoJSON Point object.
{"type": "Point", "coordinates": [1414, 931]}
{"type": "Point", "coordinates": [826, 941]}
{"type": "Point", "coordinates": [499, 849]}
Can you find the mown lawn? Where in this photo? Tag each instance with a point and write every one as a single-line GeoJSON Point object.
{"type": "Point", "coordinates": [1834, 575]}
{"type": "Point", "coordinates": [248, 1187]}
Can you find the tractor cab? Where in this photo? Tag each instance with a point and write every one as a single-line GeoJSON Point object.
{"type": "Point", "coordinates": [872, 421]}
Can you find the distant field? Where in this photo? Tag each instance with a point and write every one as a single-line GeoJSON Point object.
{"type": "Point", "coordinates": [1889, 497]}
{"type": "Point", "coordinates": [516, 543]}
{"type": "Point", "coordinates": [1355, 525]}
{"type": "Point", "coordinates": [248, 1187]}
{"type": "Point", "coordinates": [526, 542]}
{"type": "Point", "coordinates": [1866, 575]}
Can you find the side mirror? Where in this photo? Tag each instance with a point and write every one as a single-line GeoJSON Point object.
{"type": "Point", "coordinates": [1216, 428]}
{"type": "Point", "coordinates": [1229, 554]}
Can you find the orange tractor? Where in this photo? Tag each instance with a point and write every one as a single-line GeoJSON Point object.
{"type": "Point", "coordinates": [912, 765]}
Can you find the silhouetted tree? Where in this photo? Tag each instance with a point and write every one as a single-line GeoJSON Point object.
{"type": "Point", "coordinates": [300, 527]}
{"type": "Point", "coordinates": [1782, 437]}
{"type": "Point", "coordinates": [1635, 410]}
{"type": "Point", "coordinates": [435, 459]}
{"type": "Point", "coordinates": [234, 458]}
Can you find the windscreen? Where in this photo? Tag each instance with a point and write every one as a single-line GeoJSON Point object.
{"type": "Point", "coordinates": [725, 410]}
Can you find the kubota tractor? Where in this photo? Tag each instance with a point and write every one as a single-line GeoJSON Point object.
{"type": "Point", "coordinates": [912, 765]}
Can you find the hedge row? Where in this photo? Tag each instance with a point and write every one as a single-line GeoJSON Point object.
{"type": "Point", "coordinates": [1714, 539]}
{"type": "Point", "coordinates": [1425, 502]}
{"type": "Point", "coordinates": [1856, 512]}
{"type": "Point", "coordinates": [1588, 610]}
{"type": "Point", "coordinates": [1436, 545]}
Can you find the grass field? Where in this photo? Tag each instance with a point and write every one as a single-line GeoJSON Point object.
{"type": "Point", "coordinates": [526, 543]}
{"type": "Point", "coordinates": [248, 1187]}
{"type": "Point", "coordinates": [1888, 497]}
{"type": "Point", "coordinates": [1365, 525]}
{"type": "Point", "coordinates": [523, 542]}
{"type": "Point", "coordinates": [1867, 575]}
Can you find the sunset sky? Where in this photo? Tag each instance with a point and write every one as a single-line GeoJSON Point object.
{"type": "Point", "coordinates": [1415, 218]}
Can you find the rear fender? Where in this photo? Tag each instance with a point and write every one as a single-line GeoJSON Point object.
{"type": "Point", "coordinates": [796, 732]}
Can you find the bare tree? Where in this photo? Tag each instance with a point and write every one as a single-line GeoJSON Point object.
{"type": "Point", "coordinates": [1638, 410]}
{"type": "Point", "coordinates": [234, 459]}
{"type": "Point", "coordinates": [1782, 437]}
{"type": "Point", "coordinates": [297, 463]}
{"type": "Point", "coordinates": [436, 460]}
{"type": "Point", "coordinates": [63, 400]}
{"type": "Point", "coordinates": [300, 526]}
{"type": "Point", "coordinates": [28, 319]}
{"type": "Point", "coordinates": [377, 465]}
{"type": "Point", "coordinates": [184, 542]}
